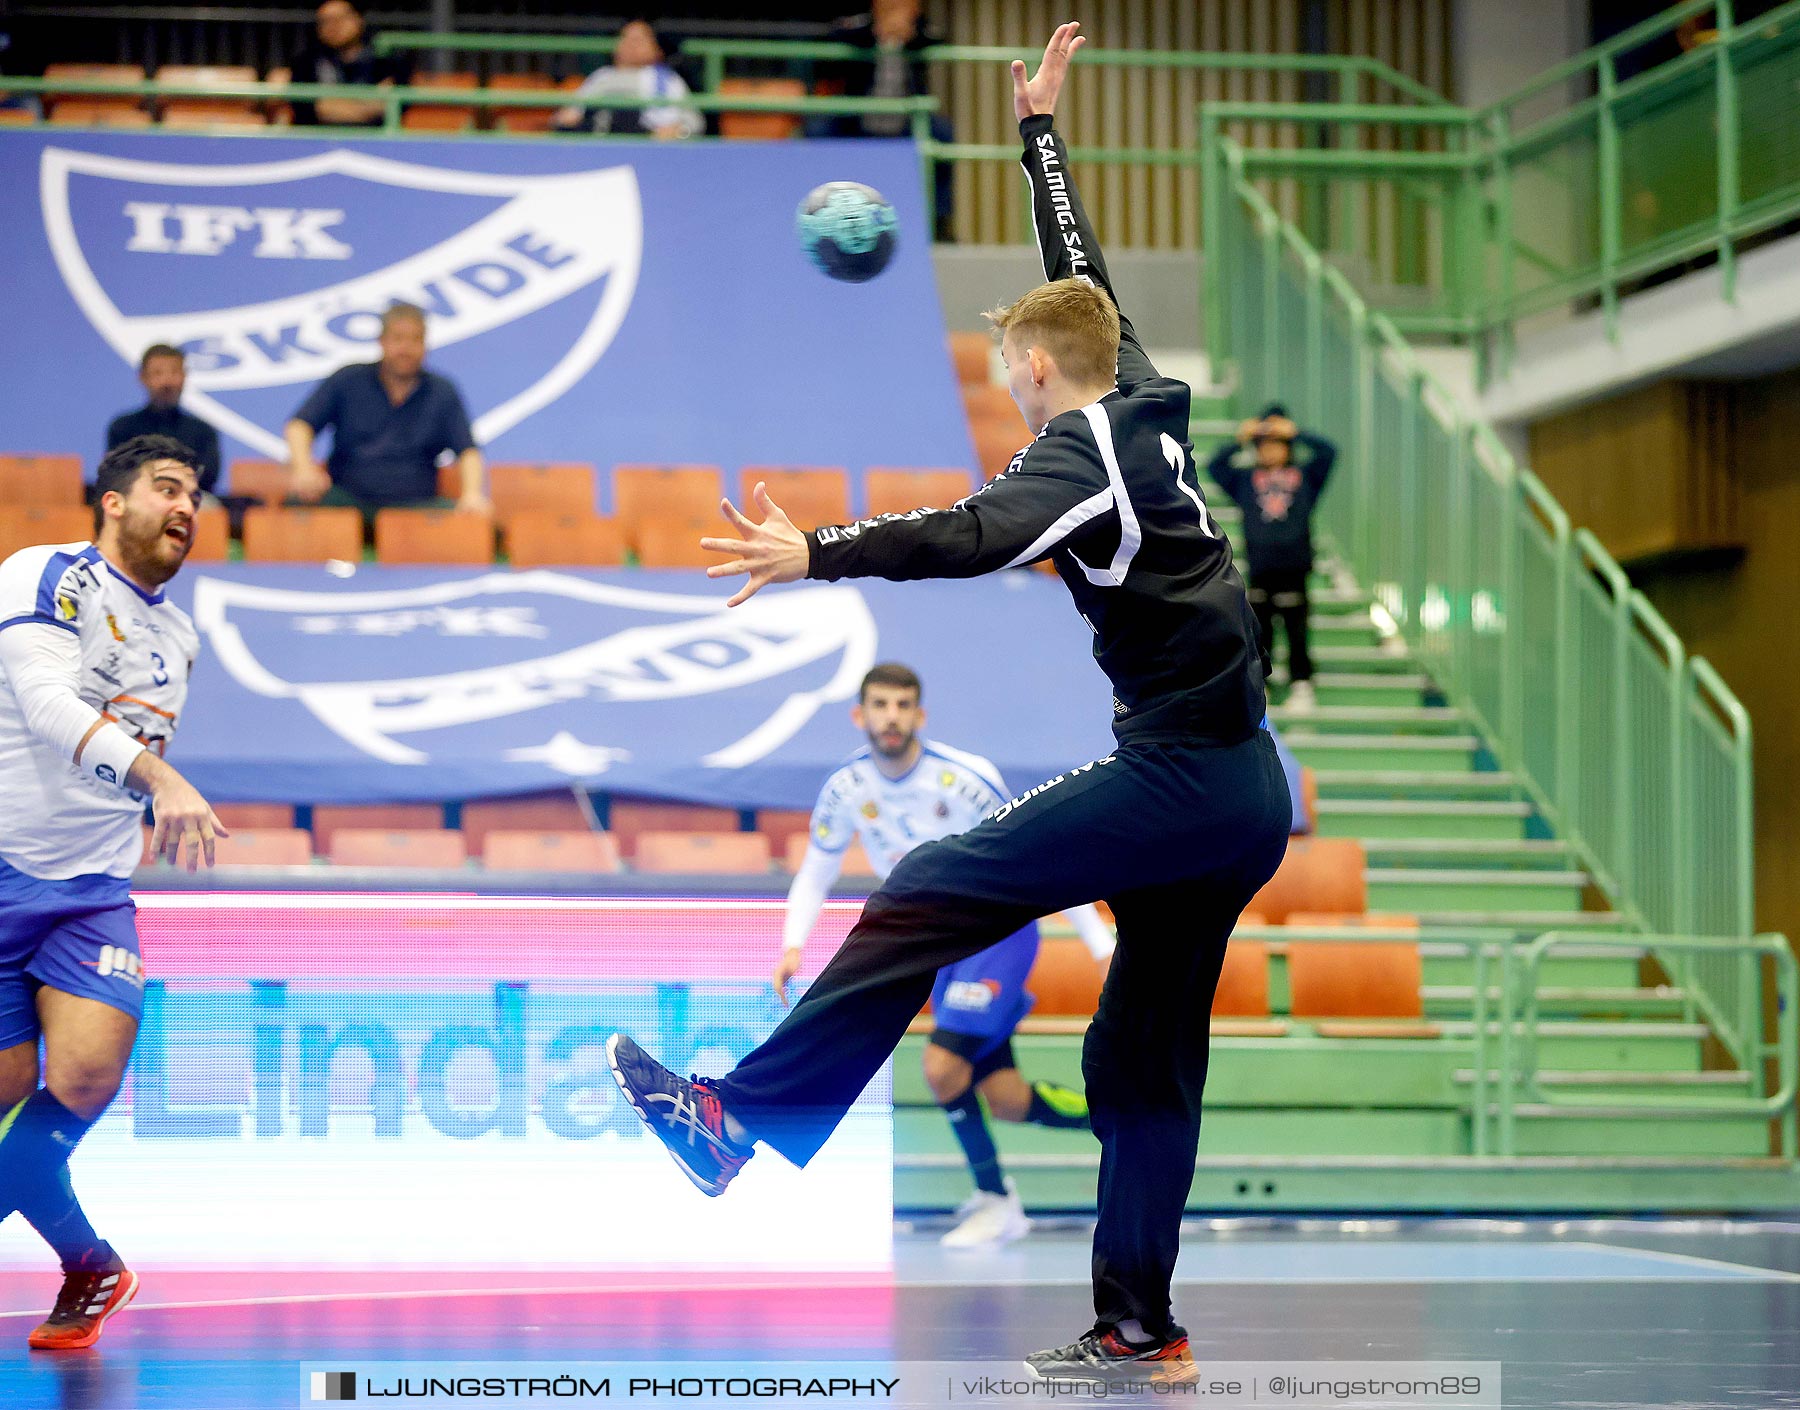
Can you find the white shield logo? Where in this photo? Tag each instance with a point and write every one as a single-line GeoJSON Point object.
{"type": "Point", "coordinates": [531, 242]}
{"type": "Point", "coordinates": [620, 690]}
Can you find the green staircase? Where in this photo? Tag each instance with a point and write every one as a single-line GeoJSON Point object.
{"type": "Point", "coordinates": [1302, 1120]}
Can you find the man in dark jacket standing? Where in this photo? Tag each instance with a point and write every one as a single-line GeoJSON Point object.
{"type": "Point", "coordinates": [1278, 491]}
{"type": "Point", "coordinates": [163, 371]}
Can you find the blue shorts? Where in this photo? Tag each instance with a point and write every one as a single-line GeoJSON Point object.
{"type": "Point", "coordinates": [983, 997]}
{"type": "Point", "coordinates": [79, 936]}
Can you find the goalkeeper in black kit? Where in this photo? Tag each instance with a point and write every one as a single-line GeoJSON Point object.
{"type": "Point", "coordinates": [1176, 829]}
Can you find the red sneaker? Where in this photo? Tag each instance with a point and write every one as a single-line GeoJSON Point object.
{"type": "Point", "coordinates": [87, 1299]}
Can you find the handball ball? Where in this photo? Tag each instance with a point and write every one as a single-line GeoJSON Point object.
{"type": "Point", "coordinates": [848, 230]}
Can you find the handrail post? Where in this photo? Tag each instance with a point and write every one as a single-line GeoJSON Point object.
{"type": "Point", "coordinates": [1508, 1079]}
{"type": "Point", "coordinates": [1212, 238]}
{"type": "Point", "coordinates": [1729, 135]}
{"type": "Point", "coordinates": [1479, 1104]}
{"type": "Point", "coordinates": [1315, 338]}
{"type": "Point", "coordinates": [1611, 198]}
{"type": "Point", "coordinates": [1363, 337]}
{"type": "Point", "coordinates": [1270, 233]}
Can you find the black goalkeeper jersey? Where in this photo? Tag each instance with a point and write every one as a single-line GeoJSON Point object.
{"type": "Point", "coordinates": [1110, 494]}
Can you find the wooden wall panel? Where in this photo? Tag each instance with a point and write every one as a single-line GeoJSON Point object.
{"type": "Point", "coordinates": [1156, 208]}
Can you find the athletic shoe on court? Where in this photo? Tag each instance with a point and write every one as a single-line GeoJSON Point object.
{"type": "Point", "coordinates": [88, 1298]}
{"type": "Point", "coordinates": [987, 1218]}
{"type": "Point", "coordinates": [684, 1115]}
{"type": "Point", "coordinates": [1103, 1355]}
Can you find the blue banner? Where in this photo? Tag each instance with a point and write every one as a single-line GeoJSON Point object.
{"type": "Point", "coordinates": [645, 304]}
{"type": "Point", "coordinates": [413, 683]}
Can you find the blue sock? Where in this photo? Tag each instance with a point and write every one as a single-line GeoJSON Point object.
{"type": "Point", "coordinates": [970, 1125]}
{"type": "Point", "coordinates": [36, 1139]}
{"type": "Point", "coordinates": [63, 1224]}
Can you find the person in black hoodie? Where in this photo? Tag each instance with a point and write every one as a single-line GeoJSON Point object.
{"type": "Point", "coordinates": [1278, 491]}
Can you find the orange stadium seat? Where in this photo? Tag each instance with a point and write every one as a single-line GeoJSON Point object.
{"type": "Point", "coordinates": [661, 545]}
{"type": "Point", "coordinates": [996, 445]}
{"type": "Point", "coordinates": [1309, 798]}
{"type": "Point", "coordinates": [27, 525]}
{"type": "Point", "coordinates": [212, 536]}
{"type": "Point", "coordinates": [328, 819]}
{"type": "Point", "coordinates": [808, 496]}
{"type": "Point", "coordinates": [530, 812]}
{"type": "Point", "coordinates": [1317, 874]}
{"type": "Point", "coordinates": [628, 819]}
{"type": "Point", "coordinates": [17, 117]}
{"type": "Point", "coordinates": [1243, 990]}
{"type": "Point", "coordinates": [688, 495]}
{"type": "Point", "coordinates": [40, 479]}
{"type": "Point", "coordinates": [1064, 980]}
{"type": "Point", "coordinates": [265, 847]}
{"type": "Point", "coordinates": [199, 116]}
{"type": "Point", "coordinates": [987, 402]}
{"type": "Point", "coordinates": [373, 847]}
{"type": "Point", "coordinates": [971, 354]}
{"type": "Point", "coordinates": [780, 825]}
{"type": "Point", "coordinates": [95, 73]}
{"type": "Point", "coordinates": [551, 851]}
{"type": "Point", "coordinates": [542, 539]}
{"type": "Point", "coordinates": [856, 861]}
{"type": "Point", "coordinates": [1342, 980]}
{"type": "Point", "coordinates": [560, 488]}
{"type": "Point", "coordinates": [433, 536]}
{"type": "Point", "coordinates": [760, 127]}
{"type": "Point", "coordinates": [256, 816]}
{"type": "Point", "coordinates": [896, 491]}
{"type": "Point", "coordinates": [302, 535]}
{"type": "Point", "coordinates": [438, 118]}
{"type": "Point", "coordinates": [103, 113]}
{"type": "Point", "coordinates": [522, 119]}
{"type": "Point", "coordinates": [192, 111]}
{"type": "Point", "coordinates": [697, 853]}
{"type": "Point", "coordinates": [266, 480]}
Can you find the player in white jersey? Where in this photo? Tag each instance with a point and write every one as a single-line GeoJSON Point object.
{"type": "Point", "coordinates": [94, 666]}
{"type": "Point", "coordinates": [898, 793]}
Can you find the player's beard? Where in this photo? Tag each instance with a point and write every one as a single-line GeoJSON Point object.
{"type": "Point", "coordinates": [152, 555]}
{"type": "Point", "coordinates": [881, 745]}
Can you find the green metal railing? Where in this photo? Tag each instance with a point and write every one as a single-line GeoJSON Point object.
{"type": "Point", "coordinates": [395, 100]}
{"type": "Point", "coordinates": [1506, 1029]}
{"type": "Point", "coordinates": [1635, 753]}
{"type": "Point", "coordinates": [1491, 215]}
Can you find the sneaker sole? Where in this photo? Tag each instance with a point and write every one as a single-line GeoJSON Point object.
{"type": "Point", "coordinates": [706, 1187]}
{"type": "Point", "coordinates": [99, 1323]}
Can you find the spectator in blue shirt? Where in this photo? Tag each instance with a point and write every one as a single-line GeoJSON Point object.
{"type": "Point", "coordinates": [391, 422]}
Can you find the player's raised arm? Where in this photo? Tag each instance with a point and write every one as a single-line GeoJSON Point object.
{"type": "Point", "coordinates": [1014, 520]}
{"type": "Point", "coordinates": [1067, 243]}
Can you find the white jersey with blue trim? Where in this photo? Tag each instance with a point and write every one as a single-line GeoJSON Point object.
{"type": "Point", "coordinates": [57, 820]}
{"type": "Point", "coordinates": [945, 793]}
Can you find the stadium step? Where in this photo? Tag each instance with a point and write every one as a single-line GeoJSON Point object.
{"type": "Point", "coordinates": [1567, 1001]}
{"type": "Point", "coordinates": [1413, 818]}
{"type": "Point", "coordinates": [1467, 853]}
{"type": "Point", "coordinates": [1362, 719]}
{"type": "Point", "coordinates": [1376, 660]}
{"type": "Point", "coordinates": [1662, 1083]}
{"type": "Point", "coordinates": [1369, 689]}
{"type": "Point", "coordinates": [1569, 966]}
{"type": "Point", "coordinates": [1523, 924]}
{"type": "Point", "coordinates": [1416, 890]}
{"type": "Point", "coordinates": [1345, 629]}
{"type": "Point", "coordinates": [1392, 752]}
{"type": "Point", "coordinates": [1416, 784]}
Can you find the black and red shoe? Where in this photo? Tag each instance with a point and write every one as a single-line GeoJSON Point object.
{"type": "Point", "coordinates": [1103, 1355]}
{"type": "Point", "coordinates": [685, 1115]}
{"type": "Point", "coordinates": [89, 1297]}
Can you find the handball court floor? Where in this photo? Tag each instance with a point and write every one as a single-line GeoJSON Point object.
{"type": "Point", "coordinates": [1579, 1313]}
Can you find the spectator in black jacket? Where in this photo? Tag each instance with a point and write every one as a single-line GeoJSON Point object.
{"type": "Point", "coordinates": [342, 50]}
{"type": "Point", "coordinates": [163, 371]}
{"type": "Point", "coordinates": [1278, 491]}
{"type": "Point", "coordinates": [898, 33]}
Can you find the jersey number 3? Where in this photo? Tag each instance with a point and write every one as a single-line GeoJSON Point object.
{"type": "Point", "coordinates": [1178, 462]}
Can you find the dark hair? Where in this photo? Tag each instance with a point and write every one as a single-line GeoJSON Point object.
{"type": "Point", "coordinates": [894, 674]}
{"type": "Point", "coordinates": [121, 466]}
{"type": "Point", "coordinates": [159, 350]}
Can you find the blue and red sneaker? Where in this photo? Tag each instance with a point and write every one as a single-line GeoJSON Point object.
{"type": "Point", "coordinates": [685, 1115]}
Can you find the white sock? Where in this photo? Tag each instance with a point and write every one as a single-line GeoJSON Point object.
{"type": "Point", "coordinates": [1133, 1331]}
